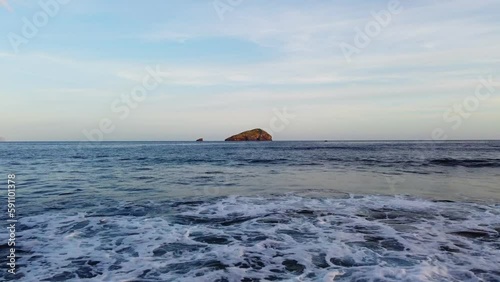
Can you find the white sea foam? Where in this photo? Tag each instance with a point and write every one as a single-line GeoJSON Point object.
{"type": "Point", "coordinates": [362, 238]}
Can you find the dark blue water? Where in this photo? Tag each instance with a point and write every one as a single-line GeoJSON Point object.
{"type": "Point", "coordinates": [214, 211]}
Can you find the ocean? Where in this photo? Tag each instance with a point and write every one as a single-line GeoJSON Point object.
{"type": "Point", "coordinates": [263, 211]}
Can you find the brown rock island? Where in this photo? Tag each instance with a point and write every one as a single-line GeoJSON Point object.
{"type": "Point", "coordinates": [199, 140]}
{"type": "Point", "coordinates": [252, 135]}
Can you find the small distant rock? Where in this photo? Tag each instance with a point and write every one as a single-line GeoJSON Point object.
{"type": "Point", "coordinates": [199, 140]}
{"type": "Point", "coordinates": [252, 135]}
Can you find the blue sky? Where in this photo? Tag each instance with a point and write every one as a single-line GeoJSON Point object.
{"type": "Point", "coordinates": [223, 73]}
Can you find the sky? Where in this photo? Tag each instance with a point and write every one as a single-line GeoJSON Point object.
{"type": "Point", "coordinates": [303, 70]}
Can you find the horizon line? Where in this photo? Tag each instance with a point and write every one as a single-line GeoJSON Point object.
{"type": "Point", "coordinates": [222, 141]}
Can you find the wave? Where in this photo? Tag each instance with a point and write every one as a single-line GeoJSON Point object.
{"type": "Point", "coordinates": [267, 238]}
{"type": "Point", "coordinates": [266, 161]}
{"type": "Point", "coordinates": [465, 162]}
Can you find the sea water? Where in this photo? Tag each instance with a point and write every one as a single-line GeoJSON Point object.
{"type": "Point", "coordinates": [271, 211]}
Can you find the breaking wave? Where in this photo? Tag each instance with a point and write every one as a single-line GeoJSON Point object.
{"type": "Point", "coordinates": [348, 238]}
